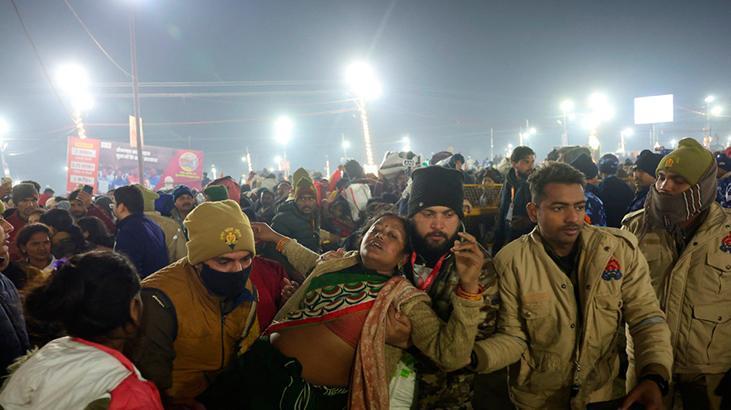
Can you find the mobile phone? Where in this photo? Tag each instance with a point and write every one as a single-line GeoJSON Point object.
{"type": "Point", "coordinates": [88, 189]}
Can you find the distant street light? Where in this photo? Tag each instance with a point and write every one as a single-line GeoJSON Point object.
{"type": "Point", "coordinates": [283, 128]}
{"type": "Point", "coordinates": [345, 145]}
{"type": "Point", "coordinates": [600, 111]}
{"type": "Point", "coordinates": [406, 143]}
{"type": "Point", "coordinates": [567, 109]}
{"type": "Point", "coordinates": [73, 82]}
{"type": "Point", "coordinates": [625, 133]}
{"type": "Point", "coordinates": [709, 99]}
{"type": "Point", "coordinates": [673, 143]}
{"type": "Point", "coordinates": [363, 84]}
{"type": "Point", "coordinates": [716, 111]}
{"type": "Point", "coordinates": [523, 134]}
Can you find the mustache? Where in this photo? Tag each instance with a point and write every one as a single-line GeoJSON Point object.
{"type": "Point", "coordinates": [437, 234]}
{"type": "Point", "coordinates": [571, 226]}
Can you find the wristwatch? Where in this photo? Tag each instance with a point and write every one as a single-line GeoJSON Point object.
{"type": "Point", "coordinates": [659, 380]}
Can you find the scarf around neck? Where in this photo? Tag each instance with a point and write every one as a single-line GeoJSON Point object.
{"type": "Point", "coordinates": [669, 211]}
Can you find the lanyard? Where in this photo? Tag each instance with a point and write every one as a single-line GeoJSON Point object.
{"type": "Point", "coordinates": [426, 283]}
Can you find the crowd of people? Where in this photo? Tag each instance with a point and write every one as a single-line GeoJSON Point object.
{"type": "Point", "coordinates": [590, 282]}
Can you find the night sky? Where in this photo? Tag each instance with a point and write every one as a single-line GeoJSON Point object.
{"type": "Point", "coordinates": [215, 74]}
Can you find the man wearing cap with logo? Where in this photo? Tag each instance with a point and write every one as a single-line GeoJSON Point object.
{"type": "Point", "coordinates": [565, 290]}
{"type": "Point", "coordinates": [644, 177]}
{"type": "Point", "coordinates": [686, 237]}
{"type": "Point", "coordinates": [200, 309]}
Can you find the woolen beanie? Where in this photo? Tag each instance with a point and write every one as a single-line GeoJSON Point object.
{"type": "Point", "coordinates": [182, 190]}
{"type": "Point", "coordinates": [216, 192]}
{"type": "Point", "coordinates": [302, 183]}
{"type": "Point", "coordinates": [148, 197]}
{"type": "Point", "coordinates": [23, 191]}
{"type": "Point", "coordinates": [647, 161]}
{"type": "Point", "coordinates": [217, 228]}
{"type": "Point", "coordinates": [690, 160]}
{"type": "Point", "coordinates": [436, 186]}
{"type": "Point", "coordinates": [586, 166]}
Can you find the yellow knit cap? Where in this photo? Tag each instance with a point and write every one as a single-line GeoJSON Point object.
{"type": "Point", "coordinates": [148, 196]}
{"type": "Point", "coordinates": [217, 228]}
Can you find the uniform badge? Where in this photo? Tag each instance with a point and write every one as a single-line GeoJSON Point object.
{"type": "Point", "coordinates": [231, 236]}
{"type": "Point", "coordinates": [726, 243]}
{"type": "Point", "coordinates": [612, 271]}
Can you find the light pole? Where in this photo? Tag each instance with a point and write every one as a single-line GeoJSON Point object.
{"type": "Point", "coordinates": [625, 133]}
{"type": "Point", "coordinates": [523, 134]}
{"type": "Point", "coordinates": [364, 86]}
{"type": "Point", "coordinates": [283, 128]}
{"type": "Point", "coordinates": [136, 93]}
{"type": "Point", "coordinates": [73, 81]}
{"type": "Point", "coordinates": [567, 109]}
{"type": "Point", "coordinates": [600, 111]}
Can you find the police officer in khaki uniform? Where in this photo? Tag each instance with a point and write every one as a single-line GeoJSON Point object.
{"type": "Point", "coordinates": [565, 289]}
{"type": "Point", "coordinates": [686, 238]}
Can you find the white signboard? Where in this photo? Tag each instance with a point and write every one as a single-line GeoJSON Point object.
{"type": "Point", "coordinates": [655, 109]}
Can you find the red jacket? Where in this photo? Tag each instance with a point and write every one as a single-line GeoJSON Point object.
{"type": "Point", "coordinates": [94, 210]}
{"type": "Point", "coordinates": [267, 277]}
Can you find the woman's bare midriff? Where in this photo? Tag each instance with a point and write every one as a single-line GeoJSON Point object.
{"type": "Point", "coordinates": [326, 359]}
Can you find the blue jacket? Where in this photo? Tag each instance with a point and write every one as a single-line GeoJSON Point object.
{"type": "Point", "coordinates": [13, 336]}
{"type": "Point", "coordinates": [594, 206]}
{"type": "Point", "coordinates": [143, 242]}
{"type": "Point", "coordinates": [515, 191]}
{"type": "Point", "coordinates": [723, 196]}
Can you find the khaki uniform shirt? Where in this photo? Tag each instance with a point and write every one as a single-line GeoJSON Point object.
{"type": "Point", "coordinates": [558, 359]}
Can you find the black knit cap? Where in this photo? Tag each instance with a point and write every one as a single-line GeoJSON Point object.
{"type": "Point", "coordinates": [647, 161]}
{"type": "Point", "coordinates": [436, 186]}
{"type": "Point", "coordinates": [587, 167]}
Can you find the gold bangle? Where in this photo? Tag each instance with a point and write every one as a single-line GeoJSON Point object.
{"type": "Point", "coordinates": [469, 295]}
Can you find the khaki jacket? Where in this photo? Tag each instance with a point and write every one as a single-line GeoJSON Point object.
{"type": "Point", "coordinates": [174, 237]}
{"type": "Point", "coordinates": [205, 339]}
{"type": "Point", "coordinates": [549, 347]}
{"type": "Point", "coordinates": [449, 345]}
{"type": "Point", "coordinates": [694, 289]}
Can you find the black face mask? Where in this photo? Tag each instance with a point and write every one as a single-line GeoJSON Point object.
{"type": "Point", "coordinates": [225, 284]}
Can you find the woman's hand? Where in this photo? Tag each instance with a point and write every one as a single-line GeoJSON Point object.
{"type": "Point", "coordinates": [468, 260]}
{"type": "Point", "coordinates": [398, 328]}
{"type": "Point", "coordinates": [264, 233]}
{"type": "Point", "coordinates": [288, 289]}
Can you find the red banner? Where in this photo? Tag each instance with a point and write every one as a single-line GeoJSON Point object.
{"type": "Point", "coordinates": [82, 160]}
{"type": "Point", "coordinates": [116, 165]}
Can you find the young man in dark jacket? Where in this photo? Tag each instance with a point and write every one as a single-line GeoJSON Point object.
{"type": "Point", "coordinates": [513, 220]}
{"type": "Point", "coordinates": [138, 237]}
{"type": "Point", "coordinates": [614, 192]}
